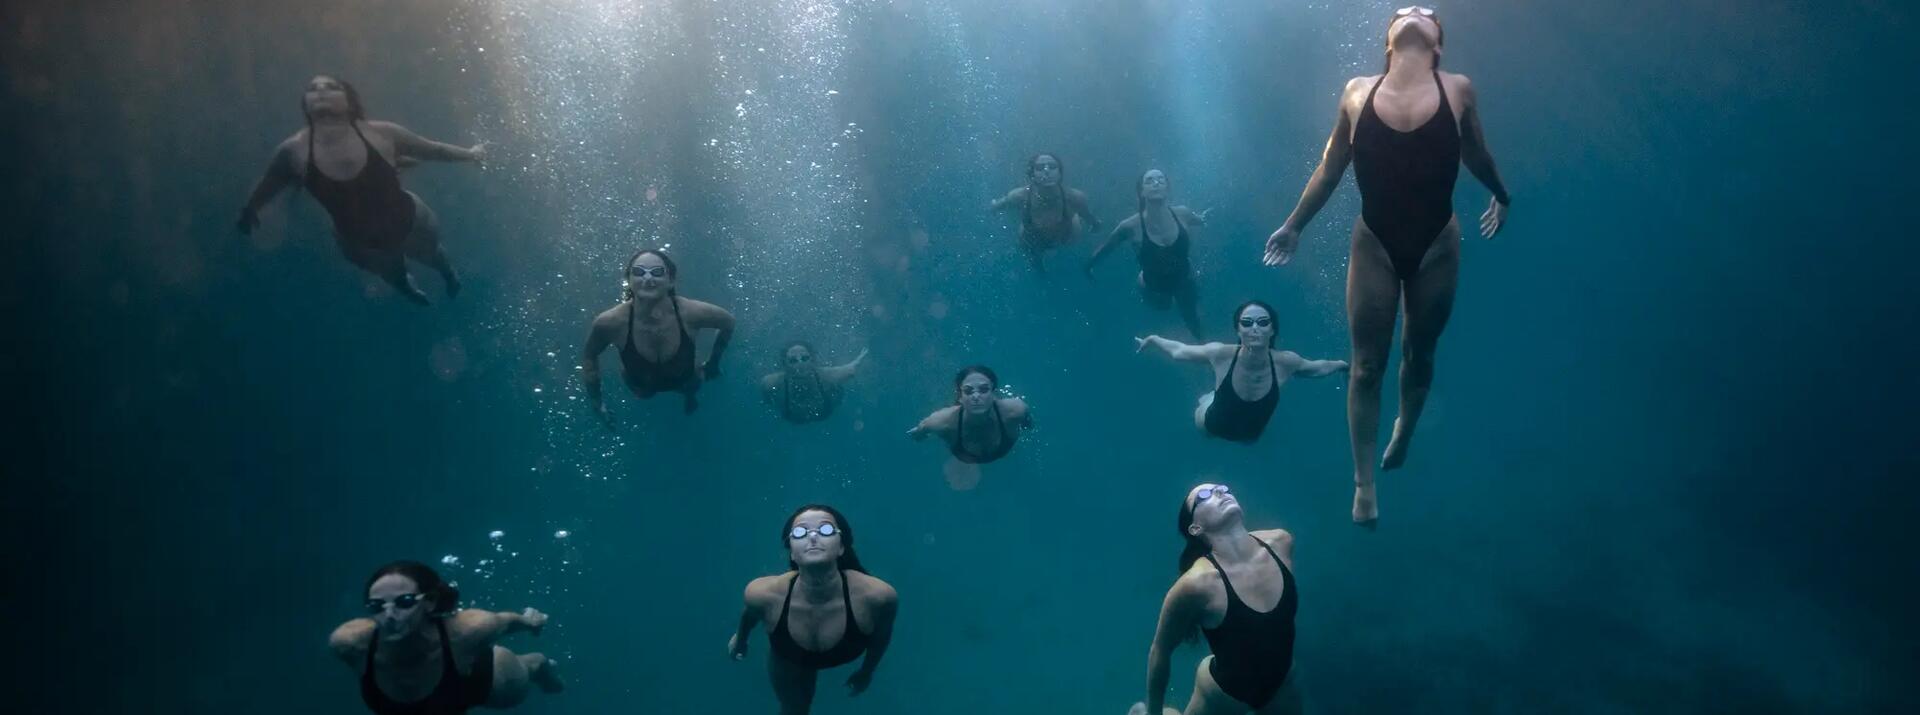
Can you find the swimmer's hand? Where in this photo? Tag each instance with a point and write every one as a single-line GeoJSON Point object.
{"type": "Point", "coordinates": [249, 220]}
{"type": "Point", "coordinates": [711, 369]}
{"type": "Point", "coordinates": [1494, 218]}
{"type": "Point", "coordinates": [1202, 214]}
{"type": "Point", "coordinates": [1137, 709]}
{"type": "Point", "coordinates": [534, 619]}
{"type": "Point", "coordinates": [858, 682]}
{"type": "Point", "coordinates": [477, 153]}
{"type": "Point", "coordinates": [737, 647]}
{"type": "Point", "coordinates": [1140, 344]}
{"type": "Point", "coordinates": [606, 418]}
{"type": "Point", "coordinates": [916, 433]}
{"type": "Point", "coordinates": [1280, 246]}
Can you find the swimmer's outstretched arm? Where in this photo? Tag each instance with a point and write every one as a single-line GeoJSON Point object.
{"type": "Point", "coordinates": [1001, 204]}
{"type": "Point", "coordinates": [1175, 349]}
{"type": "Point", "coordinates": [1122, 230]}
{"type": "Point", "coordinates": [1296, 365]}
{"type": "Point", "coordinates": [598, 338]}
{"type": "Point", "coordinates": [1479, 161]}
{"type": "Point", "coordinates": [1078, 201]}
{"type": "Point", "coordinates": [845, 372]}
{"type": "Point", "coordinates": [279, 175]}
{"type": "Point", "coordinates": [408, 144]}
{"type": "Point", "coordinates": [491, 626]}
{"type": "Point", "coordinates": [941, 421]}
{"type": "Point", "coordinates": [884, 608]}
{"type": "Point", "coordinates": [708, 315]}
{"type": "Point", "coordinates": [1326, 177]}
{"type": "Point", "coordinates": [1178, 618]}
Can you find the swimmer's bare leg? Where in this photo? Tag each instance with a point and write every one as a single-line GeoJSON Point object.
{"type": "Point", "coordinates": [402, 281]}
{"type": "Point", "coordinates": [543, 673]}
{"type": "Point", "coordinates": [691, 392]}
{"type": "Point", "coordinates": [1429, 302]}
{"type": "Point", "coordinates": [1188, 305]}
{"type": "Point", "coordinates": [1373, 300]}
{"type": "Point", "coordinates": [424, 245]}
{"type": "Point", "coordinates": [793, 686]}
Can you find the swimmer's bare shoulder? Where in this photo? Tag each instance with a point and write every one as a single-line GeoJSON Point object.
{"type": "Point", "coordinates": [349, 642]}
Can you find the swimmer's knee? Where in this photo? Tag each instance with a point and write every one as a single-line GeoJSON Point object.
{"type": "Point", "coordinates": [1365, 372]}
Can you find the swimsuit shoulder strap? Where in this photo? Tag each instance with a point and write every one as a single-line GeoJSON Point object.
{"type": "Point", "coordinates": [1224, 581]}
{"type": "Point", "coordinates": [633, 310]}
{"type": "Point", "coordinates": [675, 298]}
{"type": "Point", "coordinates": [446, 651]}
{"type": "Point", "coordinates": [1376, 90]}
{"type": "Point", "coordinates": [846, 595]}
{"type": "Point", "coordinates": [788, 601]}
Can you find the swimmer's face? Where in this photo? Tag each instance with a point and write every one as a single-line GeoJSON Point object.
{"type": "Point", "coordinates": [1255, 325]}
{"type": "Point", "coordinates": [1045, 171]}
{"type": "Point", "coordinates": [648, 276]}
{"type": "Point", "coordinates": [976, 393]}
{"type": "Point", "coordinates": [326, 95]}
{"type": "Point", "coordinates": [395, 621]}
{"type": "Point", "coordinates": [814, 547]}
{"type": "Point", "coordinates": [1212, 505]}
{"type": "Point", "coordinates": [1414, 19]}
{"type": "Point", "coordinates": [799, 360]}
{"type": "Point", "coordinates": [1153, 186]}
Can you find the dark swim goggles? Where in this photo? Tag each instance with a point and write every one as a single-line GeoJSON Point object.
{"type": "Point", "coordinates": [801, 532]}
{"type": "Point", "coordinates": [1250, 322]}
{"type": "Point", "coordinates": [400, 603]}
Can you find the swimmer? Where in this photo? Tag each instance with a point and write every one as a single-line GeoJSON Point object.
{"type": "Point", "coordinates": [1236, 587]}
{"type": "Point", "coordinates": [1159, 231]}
{"type": "Point", "coordinates": [351, 166]}
{"type": "Point", "coordinates": [653, 325]}
{"type": "Point", "coordinates": [1406, 132]}
{"type": "Point", "coordinates": [804, 391]}
{"type": "Point", "coordinates": [993, 421]}
{"type": "Point", "coordinates": [1247, 390]}
{"type": "Point", "coordinates": [1050, 213]}
{"type": "Point", "coordinates": [824, 612]}
{"type": "Point", "coordinates": [418, 652]}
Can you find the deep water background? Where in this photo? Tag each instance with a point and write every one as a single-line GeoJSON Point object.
{"type": "Point", "coordinates": [1663, 470]}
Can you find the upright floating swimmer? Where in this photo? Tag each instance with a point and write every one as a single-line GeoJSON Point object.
{"type": "Point", "coordinates": [980, 426]}
{"type": "Point", "coordinates": [1159, 231]}
{"type": "Point", "coordinates": [1242, 598]}
{"type": "Point", "coordinates": [418, 653]}
{"type": "Point", "coordinates": [654, 327]}
{"type": "Point", "coordinates": [824, 612]}
{"type": "Point", "coordinates": [1406, 244]}
{"type": "Point", "coordinates": [803, 391]}
{"type": "Point", "coordinates": [351, 166]}
{"type": "Point", "coordinates": [1050, 213]}
{"type": "Point", "coordinates": [1246, 392]}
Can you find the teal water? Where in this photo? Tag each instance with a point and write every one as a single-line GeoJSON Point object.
{"type": "Point", "coordinates": [1662, 469]}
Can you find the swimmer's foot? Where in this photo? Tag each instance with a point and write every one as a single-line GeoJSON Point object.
{"type": "Point", "coordinates": [693, 403]}
{"type": "Point", "coordinates": [547, 677]}
{"type": "Point", "coordinates": [1396, 453]}
{"type": "Point", "coordinates": [1366, 508]}
{"type": "Point", "coordinates": [452, 278]}
{"type": "Point", "coordinates": [410, 290]}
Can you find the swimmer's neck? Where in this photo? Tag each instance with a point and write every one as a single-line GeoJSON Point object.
{"type": "Point", "coordinates": [1230, 543]}
{"type": "Point", "coordinates": [1254, 350]}
{"type": "Point", "coordinates": [330, 121]}
{"type": "Point", "coordinates": [649, 304]}
{"type": "Point", "coordinates": [1410, 64]}
{"type": "Point", "coordinates": [413, 647]}
{"type": "Point", "coordinates": [1044, 191]}
{"type": "Point", "coordinates": [1156, 206]}
{"type": "Point", "coordinates": [821, 580]}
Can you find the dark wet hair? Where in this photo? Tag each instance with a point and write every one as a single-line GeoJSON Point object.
{"type": "Point", "coordinates": [1235, 325]}
{"type": "Point", "coordinates": [961, 377]}
{"type": "Point", "coordinates": [355, 110]}
{"type": "Point", "coordinates": [1196, 546]}
{"type": "Point", "coordinates": [1139, 193]}
{"type": "Point", "coordinates": [626, 271]}
{"type": "Point", "coordinates": [446, 598]}
{"type": "Point", "coordinates": [1035, 159]}
{"type": "Point", "coordinates": [849, 561]}
{"type": "Point", "coordinates": [1436, 56]}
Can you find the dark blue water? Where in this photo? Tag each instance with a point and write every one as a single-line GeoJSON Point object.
{"type": "Point", "coordinates": [1663, 468]}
